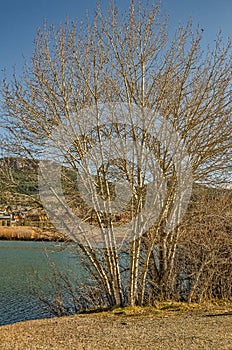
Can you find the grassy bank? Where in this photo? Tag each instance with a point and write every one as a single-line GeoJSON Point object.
{"type": "Point", "coordinates": [163, 308]}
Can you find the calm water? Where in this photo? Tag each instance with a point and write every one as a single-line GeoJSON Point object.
{"type": "Point", "coordinates": [27, 264]}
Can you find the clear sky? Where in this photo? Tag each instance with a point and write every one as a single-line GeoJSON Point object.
{"type": "Point", "coordinates": [20, 18]}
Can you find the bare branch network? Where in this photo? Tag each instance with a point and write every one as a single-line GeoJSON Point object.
{"type": "Point", "coordinates": [124, 120]}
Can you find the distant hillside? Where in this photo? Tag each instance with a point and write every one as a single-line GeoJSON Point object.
{"type": "Point", "coordinates": [18, 163]}
{"type": "Point", "coordinates": [19, 186]}
{"type": "Point", "coordinates": [18, 181]}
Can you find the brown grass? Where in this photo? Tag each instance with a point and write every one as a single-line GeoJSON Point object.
{"type": "Point", "coordinates": [28, 233]}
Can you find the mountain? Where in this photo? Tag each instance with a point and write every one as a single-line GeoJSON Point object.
{"type": "Point", "coordinates": [18, 182]}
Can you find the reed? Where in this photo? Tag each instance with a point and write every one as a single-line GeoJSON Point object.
{"type": "Point", "coordinates": [26, 233]}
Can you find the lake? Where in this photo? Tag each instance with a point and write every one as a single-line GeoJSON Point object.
{"type": "Point", "coordinates": [28, 266]}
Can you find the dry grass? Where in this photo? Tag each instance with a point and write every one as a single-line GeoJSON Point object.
{"type": "Point", "coordinates": [161, 307]}
{"type": "Point", "coordinates": [27, 233]}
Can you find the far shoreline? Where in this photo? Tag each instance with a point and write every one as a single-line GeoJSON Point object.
{"type": "Point", "coordinates": [29, 233]}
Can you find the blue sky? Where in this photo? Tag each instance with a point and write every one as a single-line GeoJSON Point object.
{"type": "Point", "coordinates": [20, 18]}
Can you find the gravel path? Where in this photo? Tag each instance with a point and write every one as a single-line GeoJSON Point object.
{"type": "Point", "coordinates": [167, 330]}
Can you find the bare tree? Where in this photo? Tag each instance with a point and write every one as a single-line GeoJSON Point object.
{"type": "Point", "coordinates": [205, 246]}
{"type": "Point", "coordinates": [122, 105]}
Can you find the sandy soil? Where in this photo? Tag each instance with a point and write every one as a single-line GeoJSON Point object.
{"type": "Point", "coordinates": [165, 330]}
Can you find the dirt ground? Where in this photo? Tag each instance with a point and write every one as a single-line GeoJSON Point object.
{"type": "Point", "coordinates": [168, 329]}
